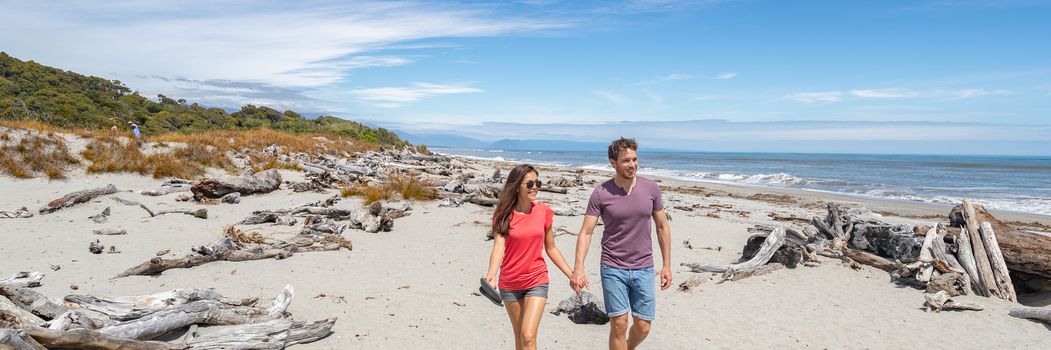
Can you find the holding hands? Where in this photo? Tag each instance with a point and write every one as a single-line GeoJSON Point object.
{"type": "Point", "coordinates": [578, 281]}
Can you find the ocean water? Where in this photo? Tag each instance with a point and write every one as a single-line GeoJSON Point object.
{"type": "Point", "coordinates": [1013, 183]}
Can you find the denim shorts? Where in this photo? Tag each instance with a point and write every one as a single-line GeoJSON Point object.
{"type": "Point", "coordinates": [632, 290]}
{"type": "Point", "coordinates": [514, 296]}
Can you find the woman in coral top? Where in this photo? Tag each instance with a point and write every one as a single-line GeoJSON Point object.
{"type": "Point", "coordinates": [521, 230]}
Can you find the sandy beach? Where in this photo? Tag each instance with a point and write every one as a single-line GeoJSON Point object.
{"type": "Point", "coordinates": [415, 286]}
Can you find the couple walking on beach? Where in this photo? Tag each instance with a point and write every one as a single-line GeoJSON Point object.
{"type": "Point", "coordinates": [626, 204]}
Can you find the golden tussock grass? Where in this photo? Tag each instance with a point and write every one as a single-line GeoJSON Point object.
{"type": "Point", "coordinates": [368, 194]}
{"type": "Point", "coordinates": [34, 152]}
{"type": "Point", "coordinates": [411, 187]}
{"type": "Point", "coordinates": [408, 187]}
{"type": "Point", "coordinates": [113, 155]}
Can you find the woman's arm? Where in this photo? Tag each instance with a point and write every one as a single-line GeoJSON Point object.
{"type": "Point", "coordinates": [555, 254]}
{"type": "Point", "coordinates": [495, 258]}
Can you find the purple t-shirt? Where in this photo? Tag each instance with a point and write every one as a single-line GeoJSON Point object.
{"type": "Point", "coordinates": [626, 241]}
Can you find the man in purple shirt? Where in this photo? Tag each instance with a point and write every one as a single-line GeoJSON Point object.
{"type": "Point", "coordinates": [626, 203]}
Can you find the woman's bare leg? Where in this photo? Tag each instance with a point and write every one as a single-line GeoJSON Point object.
{"type": "Point", "coordinates": [532, 310]}
{"type": "Point", "coordinates": [514, 312]}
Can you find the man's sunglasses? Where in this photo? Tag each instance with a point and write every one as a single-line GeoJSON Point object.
{"type": "Point", "coordinates": [529, 184]}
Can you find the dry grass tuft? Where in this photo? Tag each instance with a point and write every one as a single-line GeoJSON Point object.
{"type": "Point", "coordinates": [241, 238]}
{"type": "Point", "coordinates": [34, 153]}
{"type": "Point", "coordinates": [411, 187]}
{"type": "Point", "coordinates": [408, 187]}
{"type": "Point", "coordinates": [337, 239]}
{"type": "Point", "coordinates": [369, 194]}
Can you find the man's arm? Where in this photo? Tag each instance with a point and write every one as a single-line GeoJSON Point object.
{"type": "Point", "coordinates": [583, 243]}
{"type": "Point", "coordinates": [664, 240]}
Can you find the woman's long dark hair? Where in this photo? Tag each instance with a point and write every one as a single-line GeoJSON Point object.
{"type": "Point", "coordinates": [509, 197]}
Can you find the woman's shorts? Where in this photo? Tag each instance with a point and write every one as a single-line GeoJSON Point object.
{"type": "Point", "coordinates": [514, 296]}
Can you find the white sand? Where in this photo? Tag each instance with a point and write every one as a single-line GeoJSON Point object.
{"type": "Point", "coordinates": [440, 253]}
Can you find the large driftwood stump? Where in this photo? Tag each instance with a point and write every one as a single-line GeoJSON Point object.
{"type": "Point", "coordinates": [264, 182]}
{"type": "Point", "coordinates": [75, 198]}
{"type": "Point", "coordinates": [836, 224]}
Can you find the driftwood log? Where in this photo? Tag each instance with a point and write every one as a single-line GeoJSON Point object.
{"type": "Point", "coordinates": [18, 340]}
{"type": "Point", "coordinates": [264, 182]}
{"type": "Point", "coordinates": [1001, 275]}
{"type": "Point", "coordinates": [940, 301]}
{"type": "Point", "coordinates": [75, 198]}
{"type": "Point", "coordinates": [165, 191]}
{"type": "Point", "coordinates": [22, 280]}
{"type": "Point", "coordinates": [986, 280]}
{"type": "Point", "coordinates": [240, 246]}
{"type": "Point", "coordinates": [207, 312]}
{"type": "Point", "coordinates": [1041, 314]}
{"type": "Point", "coordinates": [770, 245]}
{"type": "Point", "coordinates": [153, 315]}
{"type": "Point", "coordinates": [1023, 251]}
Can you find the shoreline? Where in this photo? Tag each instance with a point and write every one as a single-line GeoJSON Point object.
{"type": "Point", "coordinates": [901, 207]}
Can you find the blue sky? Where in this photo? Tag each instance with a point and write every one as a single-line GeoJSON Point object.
{"type": "Point", "coordinates": [459, 67]}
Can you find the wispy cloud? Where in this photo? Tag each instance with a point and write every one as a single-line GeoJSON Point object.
{"type": "Point", "coordinates": [725, 75]}
{"type": "Point", "coordinates": [284, 44]}
{"type": "Point", "coordinates": [972, 93]}
{"type": "Point", "coordinates": [884, 93]}
{"type": "Point", "coordinates": [893, 93]}
{"type": "Point", "coordinates": [393, 97]}
{"type": "Point", "coordinates": [612, 97]}
{"type": "Point", "coordinates": [664, 78]}
{"type": "Point", "coordinates": [811, 97]}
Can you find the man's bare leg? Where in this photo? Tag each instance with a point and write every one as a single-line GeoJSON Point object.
{"type": "Point", "coordinates": [618, 329]}
{"type": "Point", "coordinates": [640, 328]}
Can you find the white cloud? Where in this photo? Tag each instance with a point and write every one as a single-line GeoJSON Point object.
{"type": "Point", "coordinates": [811, 97]}
{"type": "Point", "coordinates": [725, 75]}
{"type": "Point", "coordinates": [393, 97]}
{"type": "Point", "coordinates": [972, 93]}
{"type": "Point", "coordinates": [303, 46]}
{"type": "Point", "coordinates": [664, 78]}
{"type": "Point", "coordinates": [612, 97]}
{"type": "Point", "coordinates": [885, 93]}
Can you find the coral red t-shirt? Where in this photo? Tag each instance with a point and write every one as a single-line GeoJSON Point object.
{"type": "Point", "coordinates": [523, 266]}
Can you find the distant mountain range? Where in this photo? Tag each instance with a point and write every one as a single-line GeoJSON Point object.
{"type": "Point", "coordinates": [458, 141]}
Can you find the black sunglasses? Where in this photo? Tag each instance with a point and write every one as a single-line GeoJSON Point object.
{"type": "Point", "coordinates": [529, 184]}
